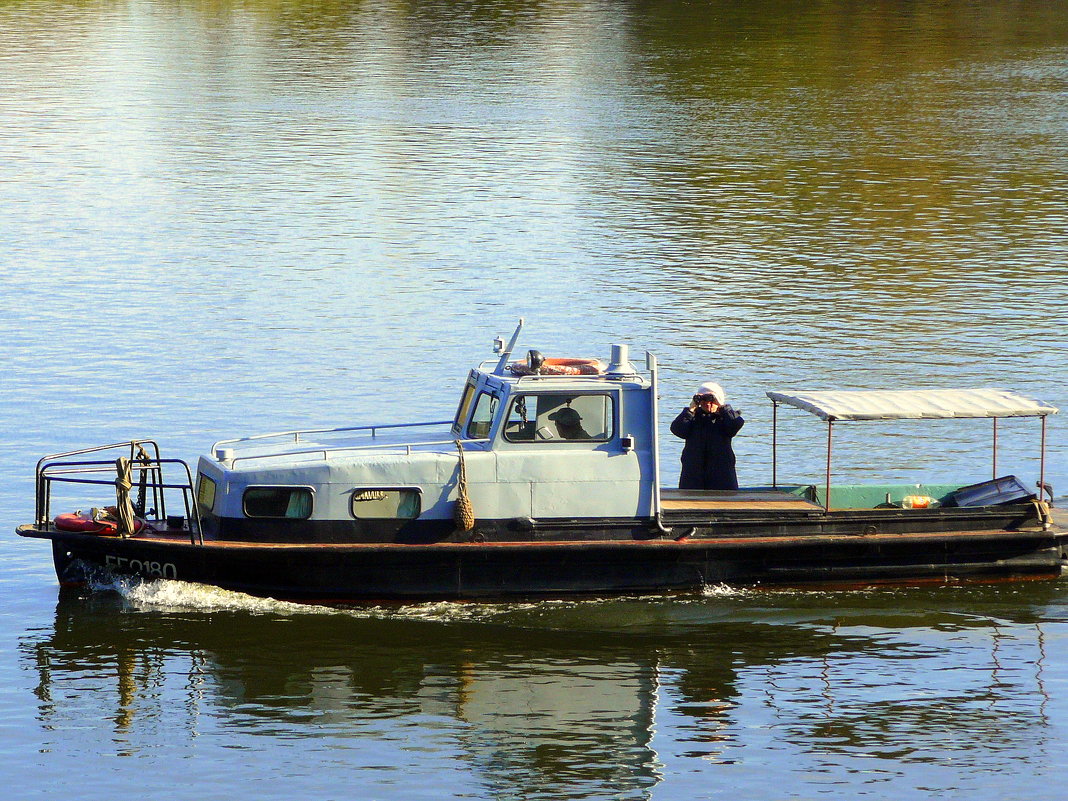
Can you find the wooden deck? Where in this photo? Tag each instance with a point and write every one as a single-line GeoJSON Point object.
{"type": "Point", "coordinates": [680, 500]}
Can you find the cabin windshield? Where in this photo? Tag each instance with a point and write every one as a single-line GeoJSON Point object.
{"type": "Point", "coordinates": [556, 417]}
{"type": "Point", "coordinates": [482, 418]}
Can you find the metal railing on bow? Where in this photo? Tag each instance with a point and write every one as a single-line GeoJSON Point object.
{"type": "Point", "coordinates": [146, 467]}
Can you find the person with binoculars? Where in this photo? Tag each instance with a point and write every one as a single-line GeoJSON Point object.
{"type": "Point", "coordinates": [708, 425]}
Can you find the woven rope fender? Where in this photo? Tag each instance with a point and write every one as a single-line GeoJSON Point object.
{"type": "Point", "coordinates": [463, 513]}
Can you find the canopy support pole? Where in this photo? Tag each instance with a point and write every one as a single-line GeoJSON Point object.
{"type": "Point", "coordinates": [827, 496]}
{"type": "Point", "coordinates": [1042, 464]}
{"type": "Point", "coordinates": [994, 459]}
{"type": "Point", "coordinates": [774, 444]}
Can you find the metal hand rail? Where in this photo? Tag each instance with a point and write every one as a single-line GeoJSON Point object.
{"type": "Point", "coordinates": [296, 434]}
{"type": "Point", "coordinates": [65, 471]}
{"type": "Point", "coordinates": [405, 447]}
{"type": "Point", "coordinates": [129, 445]}
{"type": "Point", "coordinates": [603, 377]}
{"type": "Point", "coordinates": [533, 377]}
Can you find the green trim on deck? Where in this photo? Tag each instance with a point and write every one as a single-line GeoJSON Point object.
{"type": "Point", "coordinates": [872, 496]}
{"type": "Point", "coordinates": [868, 496]}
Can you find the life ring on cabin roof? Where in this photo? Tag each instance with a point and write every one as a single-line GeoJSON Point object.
{"type": "Point", "coordinates": [87, 523]}
{"type": "Point", "coordinates": [559, 367]}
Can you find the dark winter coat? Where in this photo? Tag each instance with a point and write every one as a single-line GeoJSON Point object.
{"type": "Point", "coordinates": [707, 456]}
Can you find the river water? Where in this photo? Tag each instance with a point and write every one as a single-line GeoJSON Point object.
{"type": "Point", "coordinates": [223, 218]}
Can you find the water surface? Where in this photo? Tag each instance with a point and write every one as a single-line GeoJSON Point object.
{"type": "Point", "coordinates": [224, 218]}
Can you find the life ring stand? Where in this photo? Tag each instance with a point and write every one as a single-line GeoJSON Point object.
{"type": "Point", "coordinates": [559, 367]}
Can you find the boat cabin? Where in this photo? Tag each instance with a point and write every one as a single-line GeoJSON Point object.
{"type": "Point", "coordinates": [555, 440]}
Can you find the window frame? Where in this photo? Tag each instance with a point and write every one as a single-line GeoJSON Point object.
{"type": "Point", "coordinates": [463, 410]}
{"type": "Point", "coordinates": [611, 435]}
{"type": "Point", "coordinates": [203, 481]}
{"type": "Point", "coordinates": [418, 495]}
{"type": "Point", "coordinates": [304, 487]}
{"type": "Point", "coordinates": [494, 395]}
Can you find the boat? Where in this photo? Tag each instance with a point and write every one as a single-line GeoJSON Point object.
{"type": "Point", "coordinates": [505, 500]}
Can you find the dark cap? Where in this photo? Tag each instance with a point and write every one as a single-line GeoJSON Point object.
{"type": "Point", "coordinates": [566, 416]}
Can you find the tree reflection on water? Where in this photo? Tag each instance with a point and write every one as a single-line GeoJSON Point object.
{"type": "Point", "coordinates": [577, 699]}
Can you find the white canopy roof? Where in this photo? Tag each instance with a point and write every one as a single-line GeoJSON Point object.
{"type": "Point", "coordinates": [915, 404]}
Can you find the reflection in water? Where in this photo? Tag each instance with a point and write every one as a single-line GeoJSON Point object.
{"type": "Point", "coordinates": [578, 700]}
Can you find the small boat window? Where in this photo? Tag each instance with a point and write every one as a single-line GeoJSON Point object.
{"type": "Point", "coordinates": [205, 493]}
{"type": "Point", "coordinates": [554, 418]}
{"type": "Point", "coordinates": [291, 502]}
{"type": "Point", "coordinates": [482, 418]}
{"type": "Point", "coordinates": [392, 504]}
{"type": "Point", "coordinates": [464, 407]}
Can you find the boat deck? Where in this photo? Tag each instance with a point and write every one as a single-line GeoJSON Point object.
{"type": "Point", "coordinates": [697, 500]}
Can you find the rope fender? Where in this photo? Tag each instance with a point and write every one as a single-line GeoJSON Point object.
{"type": "Point", "coordinates": [463, 512]}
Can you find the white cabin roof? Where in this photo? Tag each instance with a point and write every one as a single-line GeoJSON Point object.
{"type": "Point", "coordinates": [914, 404]}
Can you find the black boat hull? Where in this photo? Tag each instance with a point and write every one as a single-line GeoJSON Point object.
{"type": "Point", "coordinates": [368, 571]}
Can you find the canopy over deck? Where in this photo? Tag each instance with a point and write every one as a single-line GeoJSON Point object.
{"type": "Point", "coordinates": [914, 404]}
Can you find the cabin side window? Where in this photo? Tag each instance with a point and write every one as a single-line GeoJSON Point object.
{"type": "Point", "coordinates": [287, 502]}
{"type": "Point", "coordinates": [391, 504]}
{"type": "Point", "coordinates": [205, 494]}
{"type": "Point", "coordinates": [464, 407]}
{"type": "Point", "coordinates": [556, 418]}
{"type": "Point", "coordinates": [482, 417]}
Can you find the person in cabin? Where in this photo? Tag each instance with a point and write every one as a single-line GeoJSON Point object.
{"type": "Point", "coordinates": [708, 425]}
{"type": "Point", "coordinates": [569, 423]}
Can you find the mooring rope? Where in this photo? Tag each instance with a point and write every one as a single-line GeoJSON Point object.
{"type": "Point", "coordinates": [124, 510]}
{"type": "Point", "coordinates": [463, 512]}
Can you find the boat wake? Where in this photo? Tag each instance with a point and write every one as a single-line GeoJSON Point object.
{"type": "Point", "coordinates": [181, 596]}
{"type": "Point", "coordinates": [165, 595]}
{"type": "Point", "coordinates": [168, 595]}
{"type": "Point", "coordinates": [724, 591]}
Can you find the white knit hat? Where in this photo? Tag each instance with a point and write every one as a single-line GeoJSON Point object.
{"type": "Point", "coordinates": [712, 388]}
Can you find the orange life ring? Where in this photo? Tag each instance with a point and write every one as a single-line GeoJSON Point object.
{"type": "Point", "coordinates": [560, 367]}
{"type": "Point", "coordinates": [84, 522]}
